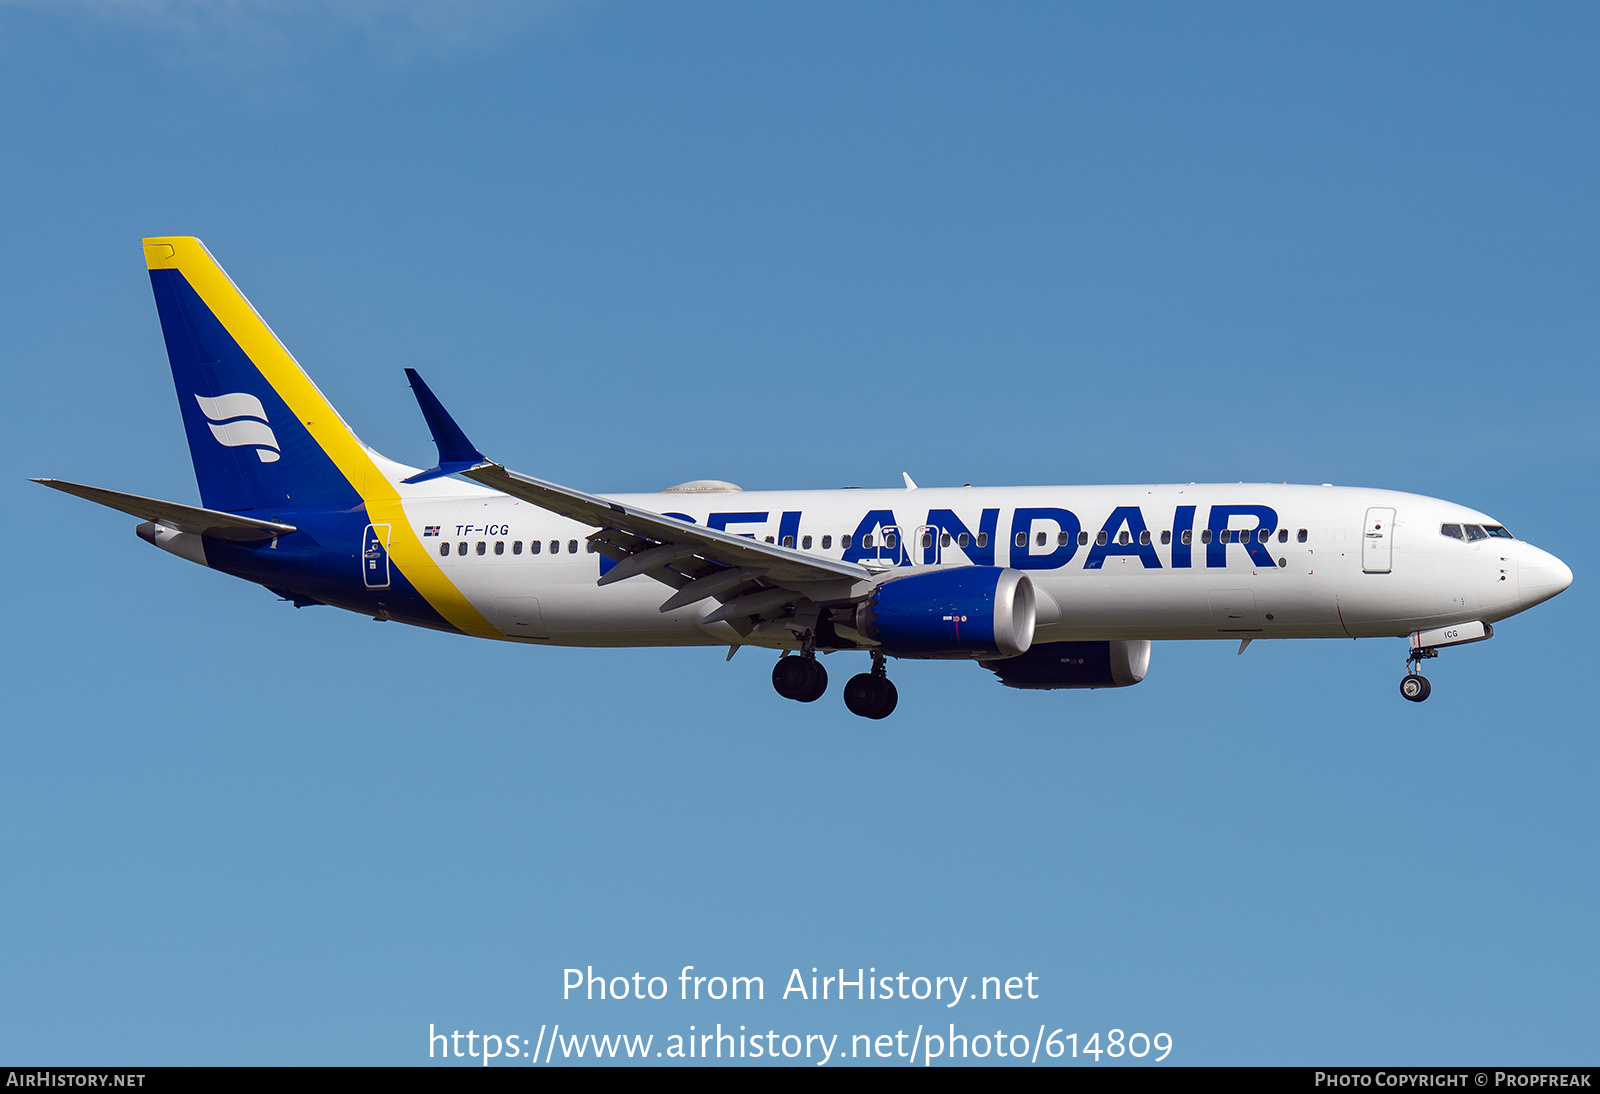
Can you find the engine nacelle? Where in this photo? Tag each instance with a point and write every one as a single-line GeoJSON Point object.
{"type": "Point", "coordinates": [1075, 665]}
{"type": "Point", "coordinates": [961, 612]}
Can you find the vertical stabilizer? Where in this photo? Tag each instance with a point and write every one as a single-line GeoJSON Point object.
{"type": "Point", "coordinates": [264, 440]}
{"type": "Point", "coordinates": [260, 433]}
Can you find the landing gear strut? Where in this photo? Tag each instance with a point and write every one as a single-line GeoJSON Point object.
{"type": "Point", "coordinates": [1415, 686]}
{"type": "Point", "coordinates": [870, 694]}
{"type": "Point", "coordinates": [802, 678]}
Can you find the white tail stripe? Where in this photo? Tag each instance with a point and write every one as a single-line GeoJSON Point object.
{"type": "Point", "coordinates": [238, 420]}
{"type": "Point", "coordinates": [240, 404]}
{"type": "Point", "coordinates": [246, 431]}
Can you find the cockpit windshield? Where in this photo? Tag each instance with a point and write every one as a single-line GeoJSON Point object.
{"type": "Point", "coordinates": [1472, 533]}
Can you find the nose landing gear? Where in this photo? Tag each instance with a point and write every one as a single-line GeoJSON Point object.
{"type": "Point", "coordinates": [870, 694]}
{"type": "Point", "coordinates": [1415, 686]}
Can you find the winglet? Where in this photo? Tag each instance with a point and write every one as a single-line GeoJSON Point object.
{"type": "Point", "coordinates": [456, 453]}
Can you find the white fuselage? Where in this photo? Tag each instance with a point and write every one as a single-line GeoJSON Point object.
{"type": "Point", "coordinates": [1109, 562]}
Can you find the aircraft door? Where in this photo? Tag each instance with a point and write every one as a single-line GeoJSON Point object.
{"type": "Point", "coordinates": [889, 547]}
{"type": "Point", "coordinates": [375, 556]}
{"type": "Point", "coordinates": [1377, 541]}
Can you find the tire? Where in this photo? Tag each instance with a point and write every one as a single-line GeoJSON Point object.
{"type": "Point", "coordinates": [817, 684]}
{"type": "Point", "coordinates": [791, 679]}
{"type": "Point", "coordinates": [1416, 688]}
{"type": "Point", "coordinates": [870, 696]}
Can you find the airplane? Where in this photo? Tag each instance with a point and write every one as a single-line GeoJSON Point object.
{"type": "Point", "coordinates": [1048, 587]}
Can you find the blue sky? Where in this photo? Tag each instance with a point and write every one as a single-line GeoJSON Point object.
{"type": "Point", "coordinates": [804, 246]}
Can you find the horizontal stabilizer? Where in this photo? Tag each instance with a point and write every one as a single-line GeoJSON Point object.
{"type": "Point", "coordinates": [185, 518]}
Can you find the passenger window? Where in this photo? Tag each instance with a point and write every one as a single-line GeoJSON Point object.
{"type": "Point", "coordinates": [1282, 562]}
{"type": "Point", "coordinates": [1041, 538]}
{"type": "Point", "coordinates": [788, 541]}
{"type": "Point", "coordinates": [1188, 537]}
{"type": "Point", "coordinates": [1166, 536]}
{"type": "Point", "coordinates": [555, 546]}
{"type": "Point", "coordinates": [1300, 537]}
{"type": "Point", "coordinates": [1205, 536]}
{"type": "Point", "coordinates": [1474, 533]}
{"type": "Point", "coordinates": [572, 546]}
{"type": "Point", "coordinates": [1144, 539]}
{"type": "Point", "coordinates": [444, 550]}
{"type": "Point", "coordinates": [1123, 537]}
{"type": "Point", "coordinates": [944, 539]}
{"type": "Point", "coordinates": [1263, 535]}
{"type": "Point", "coordinates": [1100, 540]}
{"type": "Point", "coordinates": [534, 546]}
{"type": "Point", "coordinates": [866, 542]}
{"type": "Point", "coordinates": [482, 547]}
{"type": "Point", "coordinates": [827, 542]}
{"type": "Point", "coordinates": [889, 541]}
{"type": "Point", "coordinates": [1083, 539]}
{"type": "Point", "coordinates": [1022, 539]}
{"type": "Point", "coordinates": [516, 547]}
{"type": "Point", "coordinates": [927, 539]}
{"type": "Point", "coordinates": [983, 539]}
{"type": "Point", "coordinates": [844, 542]}
{"type": "Point", "coordinates": [963, 539]}
{"type": "Point", "coordinates": [461, 548]}
{"type": "Point", "coordinates": [499, 546]}
{"type": "Point", "coordinates": [805, 543]}
{"type": "Point", "coordinates": [1283, 535]}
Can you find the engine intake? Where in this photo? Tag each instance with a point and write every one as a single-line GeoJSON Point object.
{"type": "Point", "coordinates": [963, 612]}
{"type": "Point", "coordinates": [1075, 665]}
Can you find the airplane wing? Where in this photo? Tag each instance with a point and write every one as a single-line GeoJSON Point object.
{"type": "Point", "coordinates": [750, 578]}
{"type": "Point", "coordinates": [185, 518]}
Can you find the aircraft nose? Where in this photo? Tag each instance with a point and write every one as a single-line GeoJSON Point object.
{"type": "Point", "coordinates": [1541, 576]}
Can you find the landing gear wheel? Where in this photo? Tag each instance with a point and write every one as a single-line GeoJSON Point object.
{"type": "Point", "coordinates": [870, 696]}
{"type": "Point", "coordinates": [799, 678]}
{"type": "Point", "coordinates": [819, 682]}
{"type": "Point", "coordinates": [1416, 688]}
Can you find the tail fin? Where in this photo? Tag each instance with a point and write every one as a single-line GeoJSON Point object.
{"type": "Point", "coordinates": [261, 435]}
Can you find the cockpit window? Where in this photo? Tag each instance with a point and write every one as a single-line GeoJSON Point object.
{"type": "Point", "coordinates": [1498, 532]}
{"type": "Point", "coordinates": [1475, 533]}
{"type": "Point", "coordinates": [1451, 530]}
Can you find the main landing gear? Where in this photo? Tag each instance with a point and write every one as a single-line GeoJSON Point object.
{"type": "Point", "coordinates": [803, 679]}
{"type": "Point", "coordinates": [870, 694]}
{"type": "Point", "coordinates": [1415, 686]}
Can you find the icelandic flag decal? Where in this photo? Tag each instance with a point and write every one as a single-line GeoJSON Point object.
{"type": "Point", "coordinates": [431, 530]}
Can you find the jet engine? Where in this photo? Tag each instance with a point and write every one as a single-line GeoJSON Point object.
{"type": "Point", "coordinates": [964, 612]}
{"type": "Point", "coordinates": [1075, 665]}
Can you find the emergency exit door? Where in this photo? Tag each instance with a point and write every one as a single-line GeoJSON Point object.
{"type": "Point", "coordinates": [375, 556]}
